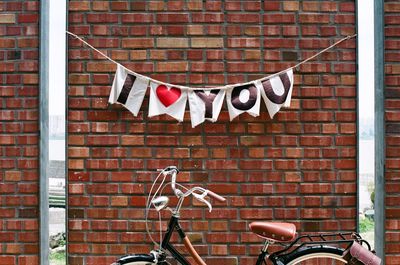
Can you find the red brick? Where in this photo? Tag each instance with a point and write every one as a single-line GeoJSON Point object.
{"type": "Point", "coordinates": [172, 67]}
{"type": "Point", "coordinates": [244, 67]}
{"type": "Point", "coordinates": [8, 259]}
{"type": "Point", "coordinates": [316, 140]}
{"type": "Point", "coordinates": [233, 6]}
{"type": "Point", "coordinates": [132, 237]}
{"type": "Point", "coordinates": [279, 18]}
{"type": "Point", "coordinates": [28, 18]}
{"type": "Point", "coordinates": [172, 18]}
{"type": "Point", "coordinates": [255, 214]}
{"type": "Point", "coordinates": [207, 17]}
{"type": "Point", "coordinates": [102, 18]}
{"type": "Point", "coordinates": [243, 42]}
{"type": "Point", "coordinates": [79, 6]}
{"type": "Point", "coordinates": [7, 43]}
{"type": "Point", "coordinates": [137, 43]}
{"type": "Point", "coordinates": [75, 164]}
{"type": "Point", "coordinates": [243, 18]}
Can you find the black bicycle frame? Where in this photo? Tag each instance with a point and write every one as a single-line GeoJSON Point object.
{"type": "Point", "coordinates": [261, 258]}
{"type": "Point", "coordinates": [172, 226]}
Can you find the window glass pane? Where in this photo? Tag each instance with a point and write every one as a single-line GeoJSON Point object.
{"type": "Point", "coordinates": [366, 118]}
{"type": "Point", "coordinates": [56, 170]}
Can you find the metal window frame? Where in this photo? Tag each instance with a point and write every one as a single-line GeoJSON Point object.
{"type": "Point", "coordinates": [66, 129]}
{"type": "Point", "coordinates": [380, 147]}
{"type": "Point", "coordinates": [44, 127]}
{"type": "Point", "coordinates": [379, 127]}
{"type": "Point", "coordinates": [44, 131]}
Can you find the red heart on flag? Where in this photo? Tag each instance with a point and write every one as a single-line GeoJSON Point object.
{"type": "Point", "coordinates": [168, 96]}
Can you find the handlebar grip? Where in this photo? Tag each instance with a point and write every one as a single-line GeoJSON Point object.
{"type": "Point", "coordinates": [215, 196]}
{"type": "Point", "coordinates": [172, 168]}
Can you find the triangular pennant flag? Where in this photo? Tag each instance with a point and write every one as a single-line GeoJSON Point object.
{"type": "Point", "coordinates": [205, 105]}
{"type": "Point", "coordinates": [277, 91]}
{"type": "Point", "coordinates": [167, 100]}
{"type": "Point", "coordinates": [245, 98]}
{"type": "Point", "coordinates": [128, 90]}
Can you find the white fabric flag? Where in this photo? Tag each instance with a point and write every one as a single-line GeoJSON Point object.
{"type": "Point", "coordinates": [241, 99]}
{"type": "Point", "coordinates": [128, 90]}
{"type": "Point", "coordinates": [167, 100]}
{"type": "Point", "coordinates": [277, 91]}
{"type": "Point", "coordinates": [205, 105]}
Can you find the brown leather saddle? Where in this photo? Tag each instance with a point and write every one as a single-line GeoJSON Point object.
{"type": "Point", "coordinates": [281, 232]}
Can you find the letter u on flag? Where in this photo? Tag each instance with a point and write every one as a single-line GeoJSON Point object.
{"type": "Point", "coordinates": [277, 92]}
{"type": "Point", "coordinates": [128, 90]}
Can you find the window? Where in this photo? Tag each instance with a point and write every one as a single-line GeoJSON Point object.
{"type": "Point", "coordinates": [366, 116]}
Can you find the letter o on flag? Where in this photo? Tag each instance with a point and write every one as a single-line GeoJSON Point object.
{"type": "Point", "coordinates": [252, 97]}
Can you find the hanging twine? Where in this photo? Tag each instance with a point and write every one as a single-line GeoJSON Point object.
{"type": "Point", "coordinates": [211, 88]}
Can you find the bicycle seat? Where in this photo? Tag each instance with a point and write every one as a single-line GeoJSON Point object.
{"type": "Point", "coordinates": [281, 232]}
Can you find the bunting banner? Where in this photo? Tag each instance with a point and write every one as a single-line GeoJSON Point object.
{"type": "Point", "coordinates": [128, 90]}
{"type": "Point", "coordinates": [167, 100]}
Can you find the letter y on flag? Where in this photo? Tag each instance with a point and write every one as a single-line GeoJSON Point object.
{"type": "Point", "coordinates": [205, 105]}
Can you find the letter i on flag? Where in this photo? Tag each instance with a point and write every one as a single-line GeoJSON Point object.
{"type": "Point", "coordinates": [205, 105]}
{"type": "Point", "coordinates": [128, 90]}
{"type": "Point", "coordinates": [277, 92]}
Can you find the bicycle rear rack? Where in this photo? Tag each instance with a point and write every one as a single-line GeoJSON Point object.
{"type": "Point", "coordinates": [323, 239]}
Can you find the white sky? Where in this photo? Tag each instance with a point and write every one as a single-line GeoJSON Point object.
{"type": "Point", "coordinates": [57, 57]}
{"type": "Point", "coordinates": [366, 58]}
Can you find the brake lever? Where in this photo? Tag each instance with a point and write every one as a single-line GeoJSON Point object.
{"type": "Point", "coordinates": [200, 197]}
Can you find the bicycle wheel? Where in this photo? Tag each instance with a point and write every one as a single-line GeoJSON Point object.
{"type": "Point", "coordinates": [320, 255]}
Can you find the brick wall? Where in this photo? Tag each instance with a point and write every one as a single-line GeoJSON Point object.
{"type": "Point", "coordinates": [299, 167]}
{"type": "Point", "coordinates": [392, 118]}
{"type": "Point", "coordinates": [19, 134]}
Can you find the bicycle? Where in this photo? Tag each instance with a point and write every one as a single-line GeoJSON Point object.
{"type": "Point", "coordinates": [296, 250]}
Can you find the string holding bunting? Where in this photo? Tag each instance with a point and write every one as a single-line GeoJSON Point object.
{"type": "Point", "coordinates": [129, 89]}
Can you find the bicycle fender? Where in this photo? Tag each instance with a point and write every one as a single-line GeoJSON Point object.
{"type": "Point", "coordinates": [136, 259]}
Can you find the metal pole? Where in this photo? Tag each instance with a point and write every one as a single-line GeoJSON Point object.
{"type": "Point", "coordinates": [379, 129]}
{"type": "Point", "coordinates": [66, 130]}
{"type": "Point", "coordinates": [358, 119]}
{"type": "Point", "coordinates": [44, 131]}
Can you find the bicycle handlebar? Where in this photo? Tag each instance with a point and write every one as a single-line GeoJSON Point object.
{"type": "Point", "coordinates": [216, 196]}
{"type": "Point", "coordinates": [173, 171]}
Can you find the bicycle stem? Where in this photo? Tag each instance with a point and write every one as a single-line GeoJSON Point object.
{"type": "Point", "coordinates": [178, 206]}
